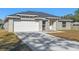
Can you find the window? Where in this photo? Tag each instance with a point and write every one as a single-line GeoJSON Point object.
{"type": "Point", "coordinates": [63, 24]}
{"type": "Point", "coordinates": [44, 22]}
{"type": "Point", "coordinates": [51, 22]}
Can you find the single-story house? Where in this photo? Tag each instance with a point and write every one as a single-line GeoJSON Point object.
{"type": "Point", "coordinates": [31, 21]}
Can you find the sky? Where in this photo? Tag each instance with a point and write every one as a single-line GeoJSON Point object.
{"type": "Point", "coordinates": [54, 11]}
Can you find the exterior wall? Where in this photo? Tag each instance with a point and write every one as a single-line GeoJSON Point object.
{"type": "Point", "coordinates": [32, 18]}
{"type": "Point", "coordinates": [59, 26]}
{"type": "Point", "coordinates": [53, 26]}
{"type": "Point", "coordinates": [40, 25]}
{"type": "Point", "coordinates": [6, 26]}
{"type": "Point", "coordinates": [10, 25]}
{"type": "Point", "coordinates": [27, 19]}
{"type": "Point", "coordinates": [47, 26]}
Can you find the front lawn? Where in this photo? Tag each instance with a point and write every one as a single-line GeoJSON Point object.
{"type": "Point", "coordinates": [71, 35]}
{"type": "Point", "coordinates": [8, 40]}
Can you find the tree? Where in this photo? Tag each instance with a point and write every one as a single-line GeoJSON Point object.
{"type": "Point", "coordinates": [68, 16]}
{"type": "Point", "coordinates": [76, 12]}
{"type": "Point", "coordinates": [74, 17]}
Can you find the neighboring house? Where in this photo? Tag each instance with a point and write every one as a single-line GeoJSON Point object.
{"type": "Point", "coordinates": [1, 24]}
{"type": "Point", "coordinates": [35, 22]}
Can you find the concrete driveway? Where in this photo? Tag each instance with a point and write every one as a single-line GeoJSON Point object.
{"type": "Point", "coordinates": [45, 42]}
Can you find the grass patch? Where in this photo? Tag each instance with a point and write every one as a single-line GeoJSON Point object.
{"type": "Point", "coordinates": [69, 34]}
{"type": "Point", "coordinates": [8, 40]}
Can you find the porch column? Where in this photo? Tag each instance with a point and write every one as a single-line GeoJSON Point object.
{"type": "Point", "coordinates": [47, 26]}
{"type": "Point", "coordinates": [10, 25]}
{"type": "Point", "coordinates": [40, 25]}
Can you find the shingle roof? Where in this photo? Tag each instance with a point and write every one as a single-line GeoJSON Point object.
{"type": "Point", "coordinates": [40, 14]}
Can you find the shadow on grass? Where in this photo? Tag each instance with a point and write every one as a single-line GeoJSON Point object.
{"type": "Point", "coordinates": [21, 47]}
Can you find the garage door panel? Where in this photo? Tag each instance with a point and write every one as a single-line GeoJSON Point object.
{"type": "Point", "coordinates": [26, 26]}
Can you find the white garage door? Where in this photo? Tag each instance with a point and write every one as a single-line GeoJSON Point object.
{"type": "Point", "coordinates": [26, 26]}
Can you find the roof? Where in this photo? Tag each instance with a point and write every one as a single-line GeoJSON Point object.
{"type": "Point", "coordinates": [65, 20]}
{"type": "Point", "coordinates": [40, 14]}
{"type": "Point", "coordinates": [76, 23]}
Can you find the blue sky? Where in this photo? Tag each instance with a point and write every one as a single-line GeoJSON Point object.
{"type": "Point", "coordinates": [54, 11]}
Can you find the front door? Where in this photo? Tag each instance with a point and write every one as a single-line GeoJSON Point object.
{"type": "Point", "coordinates": [44, 25]}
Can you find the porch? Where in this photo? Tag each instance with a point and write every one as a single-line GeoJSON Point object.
{"type": "Point", "coordinates": [49, 26]}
